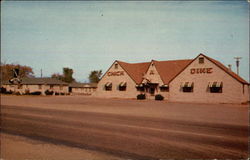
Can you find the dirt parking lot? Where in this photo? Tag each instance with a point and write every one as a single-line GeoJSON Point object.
{"type": "Point", "coordinates": [214, 113]}
{"type": "Point", "coordinates": [128, 129]}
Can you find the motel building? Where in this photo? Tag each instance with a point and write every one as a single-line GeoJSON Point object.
{"type": "Point", "coordinates": [29, 85]}
{"type": "Point", "coordinates": [201, 80]}
{"type": "Point", "coordinates": [76, 88]}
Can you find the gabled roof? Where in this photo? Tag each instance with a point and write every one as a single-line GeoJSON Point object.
{"type": "Point", "coordinates": [169, 69]}
{"type": "Point", "coordinates": [36, 81]}
{"type": "Point", "coordinates": [231, 73]}
{"type": "Point", "coordinates": [135, 70]}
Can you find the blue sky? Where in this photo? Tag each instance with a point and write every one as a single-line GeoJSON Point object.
{"type": "Point", "coordinates": [89, 36]}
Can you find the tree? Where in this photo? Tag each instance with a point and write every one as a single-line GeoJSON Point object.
{"type": "Point", "coordinates": [57, 76]}
{"type": "Point", "coordinates": [95, 76]}
{"type": "Point", "coordinates": [7, 71]}
{"type": "Point", "coordinates": [66, 77]}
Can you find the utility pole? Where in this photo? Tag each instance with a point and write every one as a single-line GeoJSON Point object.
{"type": "Point", "coordinates": [41, 73]}
{"type": "Point", "coordinates": [237, 63]}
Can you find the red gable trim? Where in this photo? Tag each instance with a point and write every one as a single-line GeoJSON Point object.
{"type": "Point", "coordinates": [224, 68]}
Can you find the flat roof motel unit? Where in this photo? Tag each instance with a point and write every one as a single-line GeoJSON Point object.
{"type": "Point", "coordinates": [202, 80]}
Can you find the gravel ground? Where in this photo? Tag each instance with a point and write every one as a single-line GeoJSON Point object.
{"type": "Point", "coordinates": [15, 147]}
{"type": "Point", "coordinates": [124, 128]}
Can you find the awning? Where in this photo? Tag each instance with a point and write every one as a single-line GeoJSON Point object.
{"type": "Point", "coordinates": [165, 85]}
{"type": "Point", "coordinates": [123, 84]}
{"type": "Point", "coordinates": [108, 84]}
{"type": "Point", "coordinates": [215, 84]}
{"type": "Point", "coordinates": [139, 85]}
{"type": "Point", "coordinates": [187, 84]}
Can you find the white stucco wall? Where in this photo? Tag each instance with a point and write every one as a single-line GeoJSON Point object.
{"type": "Point", "coordinates": [153, 75]}
{"type": "Point", "coordinates": [232, 91]}
{"type": "Point", "coordinates": [131, 91]}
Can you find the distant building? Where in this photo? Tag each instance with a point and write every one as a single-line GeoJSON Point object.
{"type": "Point", "coordinates": [201, 79]}
{"type": "Point", "coordinates": [76, 88]}
{"type": "Point", "coordinates": [29, 85]}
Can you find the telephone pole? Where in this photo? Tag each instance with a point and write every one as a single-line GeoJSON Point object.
{"type": "Point", "coordinates": [41, 73]}
{"type": "Point", "coordinates": [237, 63]}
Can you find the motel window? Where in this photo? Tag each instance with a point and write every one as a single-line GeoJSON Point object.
{"type": "Point", "coordinates": [39, 86]}
{"type": "Point", "coordinates": [164, 88]}
{"type": "Point", "coordinates": [215, 87]}
{"type": "Point", "coordinates": [116, 66]}
{"type": "Point", "coordinates": [51, 86]}
{"type": "Point", "coordinates": [108, 86]}
{"type": "Point", "coordinates": [201, 60]}
{"type": "Point", "coordinates": [122, 86]}
{"type": "Point", "coordinates": [61, 87]}
{"type": "Point", "coordinates": [140, 88]}
{"type": "Point", "coordinates": [187, 87]}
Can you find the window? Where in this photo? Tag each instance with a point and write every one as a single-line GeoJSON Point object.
{"type": "Point", "coordinates": [39, 86]}
{"type": "Point", "coordinates": [140, 88]}
{"type": "Point", "coordinates": [122, 86]}
{"type": "Point", "coordinates": [164, 88]}
{"type": "Point", "coordinates": [108, 86]}
{"type": "Point", "coordinates": [201, 60]}
{"type": "Point", "coordinates": [187, 87]}
{"type": "Point", "coordinates": [61, 87]}
{"type": "Point", "coordinates": [116, 66]}
{"type": "Point", "coordinates": [215, 87]}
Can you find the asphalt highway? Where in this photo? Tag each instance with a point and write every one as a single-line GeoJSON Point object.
{"type": "Point", "coordinates": [128, 136]}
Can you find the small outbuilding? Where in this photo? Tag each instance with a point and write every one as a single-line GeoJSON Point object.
{"type": "Point", "coordinates": [76, 88]}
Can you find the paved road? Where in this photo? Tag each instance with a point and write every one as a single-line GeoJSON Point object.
{"type": "Point", "coordinates": [128, 136]}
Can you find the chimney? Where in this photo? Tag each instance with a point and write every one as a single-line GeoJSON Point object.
{"type": "Point", "coordinates": [230, 67]}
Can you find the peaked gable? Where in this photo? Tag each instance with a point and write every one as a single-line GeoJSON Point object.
{"type": "Point", "coordinates": [217, 63]}
{"type": "Point", "coordinates": [135, 70]}
{"type": "Point", "coordinates": [223, 67]}
{"type": "Point", "coordinates": [169, 69]}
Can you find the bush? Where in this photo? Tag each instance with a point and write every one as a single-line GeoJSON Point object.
{"type": "Point", "coordinates": [141, 96]}
{"type": "Point", "coordinates": [159, 97]}
{"type": "Point", "coordinates": [47, 92]}
{"type": "Point", "coordinates": [57, 93]}
{"type": "Point", "coordinates": [3, 90]}
{"type": "Point", "coordinates": [36, 93]}
{"type": "Point", "coordinates": [17, 93]}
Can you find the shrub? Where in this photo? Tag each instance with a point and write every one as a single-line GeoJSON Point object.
{"type": "Point", "coordinates": [8, 92]}
{"type": "Point", "coordinates": [159, 97]}
{"type": "Point", "coordinates": [36, 93]}
{"type": "Point", "coordinates": [141, 96]}
{"type": "Point", "coordinates": [57, 93]}
{"type": "Point", "coordinates": [47, 92]}
{"type": "Point", "coordinates": [17, 93]}
{"type": "Point", "coordinates": [3, 90]}
{"type": "Point", "coordinates": [62, 93]}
